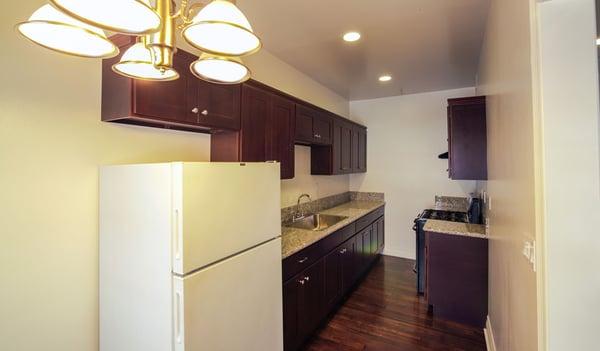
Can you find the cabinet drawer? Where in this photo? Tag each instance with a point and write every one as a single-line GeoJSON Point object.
{"type": "Point", "coordinates": [301, 260]}
{"type": "Point", "coordinates": [307, 256]}
{"type": "Point", "coordinates": [365, 221]}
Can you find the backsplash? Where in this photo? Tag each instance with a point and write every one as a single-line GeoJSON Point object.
{"type": "Point", "coordinates": [451, 203]}
{"type": "Point", "coordinates": [287, 213]}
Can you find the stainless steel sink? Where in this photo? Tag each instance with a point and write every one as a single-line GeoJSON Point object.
{"type": "Point", "coordinates": [316, 222]}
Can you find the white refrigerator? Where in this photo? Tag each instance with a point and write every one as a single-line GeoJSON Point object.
{"type": "Point", "coordinates": [190, 257]}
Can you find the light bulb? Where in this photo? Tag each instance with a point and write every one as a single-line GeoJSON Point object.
{"type": "Point", "coordinates": [137, 63]}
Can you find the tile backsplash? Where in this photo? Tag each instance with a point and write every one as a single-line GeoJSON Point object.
{"type": "Point", "coordinates": [315, 206]}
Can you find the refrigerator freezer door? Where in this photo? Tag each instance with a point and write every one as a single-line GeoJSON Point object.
{"type": "Point", "coordinates": [234, 305]}
{"type": "Point", "coordinates": [221, 209]}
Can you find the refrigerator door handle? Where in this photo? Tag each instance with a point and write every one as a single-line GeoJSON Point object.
{"type": "Point", "coordinates": [178, 317]}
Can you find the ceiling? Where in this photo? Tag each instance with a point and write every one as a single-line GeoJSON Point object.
{"type": "Point", "coordinates": [426, 45]}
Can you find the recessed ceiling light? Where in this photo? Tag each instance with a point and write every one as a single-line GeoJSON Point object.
{"type": "Point", "coordinates": [385, 78]}
{"type": "Point", "coordinates": [351, 36]}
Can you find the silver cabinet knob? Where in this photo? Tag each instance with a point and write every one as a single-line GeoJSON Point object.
{"type": "Point", "coordinates": [307, 278]}
{"type": "Point", "coordinates": [301, 281]}
{"type": "Point", "coordinates": [303, 260]}
{"type": "Point", "coordinates": [195, 110]}
{"type": "Point", "coordinates": [205, 113]}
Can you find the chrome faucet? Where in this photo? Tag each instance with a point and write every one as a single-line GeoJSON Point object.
{"type": "Point", "coordinates": [299, 214]}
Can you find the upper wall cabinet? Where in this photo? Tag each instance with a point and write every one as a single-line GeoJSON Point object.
{"type": "Point", "coordinates": [467, 138]}
{"type": "Point", "coordinates": [185, 104]}
{"type": "Point", "coordinates": [266, 133]}
{"type": "Point", "coordinates": [347, 154]}
{"type": "Point", "coordinates": [312, 126]}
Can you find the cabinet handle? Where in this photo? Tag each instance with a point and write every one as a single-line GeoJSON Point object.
{"type": "Point", "coordinates": [301, 281]}
{"type": "Point", "coordinates": [205, 113]}
{"type": "Point", "coordinates": [307, 278]}
{"type": "Point", "coordinates": [303, 260]}
{"type": "Point", "coordinates": [343, 251]}
{"type": "Point", "coordinates": [195, 110]}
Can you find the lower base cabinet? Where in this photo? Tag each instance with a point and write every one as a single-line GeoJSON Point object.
{"type": "Point", "coordinates": [312, 294]}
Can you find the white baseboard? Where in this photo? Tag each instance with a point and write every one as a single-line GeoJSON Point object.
{"type": "Point", "coordinates": [489, 335]}
{"type": "Point", "coordinates": [398, 253]}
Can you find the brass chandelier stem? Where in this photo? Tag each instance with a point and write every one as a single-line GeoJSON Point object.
{"type": "Point", "coordinates": [162, 43]}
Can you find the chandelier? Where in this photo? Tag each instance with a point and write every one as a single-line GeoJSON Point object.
{"type": "Point", "coordinates": [218, 29]}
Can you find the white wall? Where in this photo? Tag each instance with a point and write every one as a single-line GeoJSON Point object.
{"type": "Point", "coordinates": [406, 134]}
{"type": "Point", "coordinates": [51, 144]}
{"type": "Point", "coordinates": [506, 77]}
{"type": "Point", "coordinates": [316, 186]}
{"type": "Point", "coordinates": [569, 95]}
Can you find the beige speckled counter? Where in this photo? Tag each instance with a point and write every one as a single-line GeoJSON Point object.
{"type": "Point", "coordinates": [294, 240]}
{"type": "Point", "coordinates": [455, 228]}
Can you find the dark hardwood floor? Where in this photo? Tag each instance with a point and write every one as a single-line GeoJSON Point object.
{"type": "Point", "coordinates": [385, 313]}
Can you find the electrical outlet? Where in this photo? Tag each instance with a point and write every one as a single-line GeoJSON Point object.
{"type": "Point", "coordinates": [489, 203]}
{"type": "Point", "coordinates": [487, 226]}
{"type": "Point", "coordinates": [529, 251]}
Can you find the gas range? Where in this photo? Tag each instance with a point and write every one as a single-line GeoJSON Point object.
{"type": "Point", "coordinates": [444, 216]}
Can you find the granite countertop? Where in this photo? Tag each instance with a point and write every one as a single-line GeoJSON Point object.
{"type": "Point", "coordinates": [455, 228]}
{"type": "Point", "coordinates": [294, 239]}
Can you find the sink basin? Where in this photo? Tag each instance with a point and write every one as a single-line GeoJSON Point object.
{"type": "Point", "coordinates": [316, 222]}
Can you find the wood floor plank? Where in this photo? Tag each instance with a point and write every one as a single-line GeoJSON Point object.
{"type": "Point", "coordinates": [385, 314]}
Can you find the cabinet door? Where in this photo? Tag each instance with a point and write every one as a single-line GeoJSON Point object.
{"type": "Point", "coordinates": [291, 298]}
{"type": "Point", "coordinates": [347, 263]}
{"type": "Point", "coordinates": [366, 246]}
{"type": "Point", "coordinates": [374, 239]}
{"type": "Point", "coordinates": [304, 124]}
{"type": "Point", "coordinates": [255, 110]}
{"type": "Point", "coordinates": [280, 135]}
{"type": "Point", "coordinates": [468, 140]}
{"type": "Point", "coordinates": [311, 300]}
{"type": "Point", "coordinates": [381, 234]}
{"type": "Point", "coordinates": [345, 148]}
{"type": "Point", "coordinates": [322, 127]}
{"type": "Point", "coordinates": [358, 256]}
{"type": "Point", "coordinates": [218, 106]}
{"type": "Point", "coordinates": [171, 101]}
{"type": "Point", "coordinates": [361, 149]}
{"type": "Point", "coordinates": [333, 277]}
{"type": "Point", "coordinates": [354, 149]}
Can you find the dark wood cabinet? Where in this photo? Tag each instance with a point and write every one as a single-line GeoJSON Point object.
{"type": "Point", "coordinates": [457, 277]}
{"type": "Point", "coordinates": [360, 150]}
{"type": "Point", "coordinates": [249, 122]}
{"type": "Point", "coordinates": [217, 106]}
{"type": "Point", "coordinates": [266, 134]}
{"type": "Point", "coordinates": [318, 277]}
{"type": "Point", "coordinates": [302, 305]}
{"type": "Point", "coordinates": [280, 135]}
{"type": "Point", "coordinates": [304, 124]}
{"type": "Point", "coordinates": [184, 104]}
{"type": "Point", "coordinates": [347, 153]}
{"type": "Point", "coordinates": [467, 138]}
{"type": "Point", "coordinates": [333, 277]}
{"type": "Point", "coordinates": [312, 126]}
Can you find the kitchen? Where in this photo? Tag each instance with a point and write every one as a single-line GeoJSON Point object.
{"type": "Point", "coordinates": [328, 158]}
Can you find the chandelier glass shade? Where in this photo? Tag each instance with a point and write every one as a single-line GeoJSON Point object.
{"type": "Point", "coordinates": [219, 30]}
{"type": "Point", "coordinates": [54, 30]}
{"type": "Point", "coordinates": [123, 16]}
{"type": "Point", "coordinates": [219, 69]}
